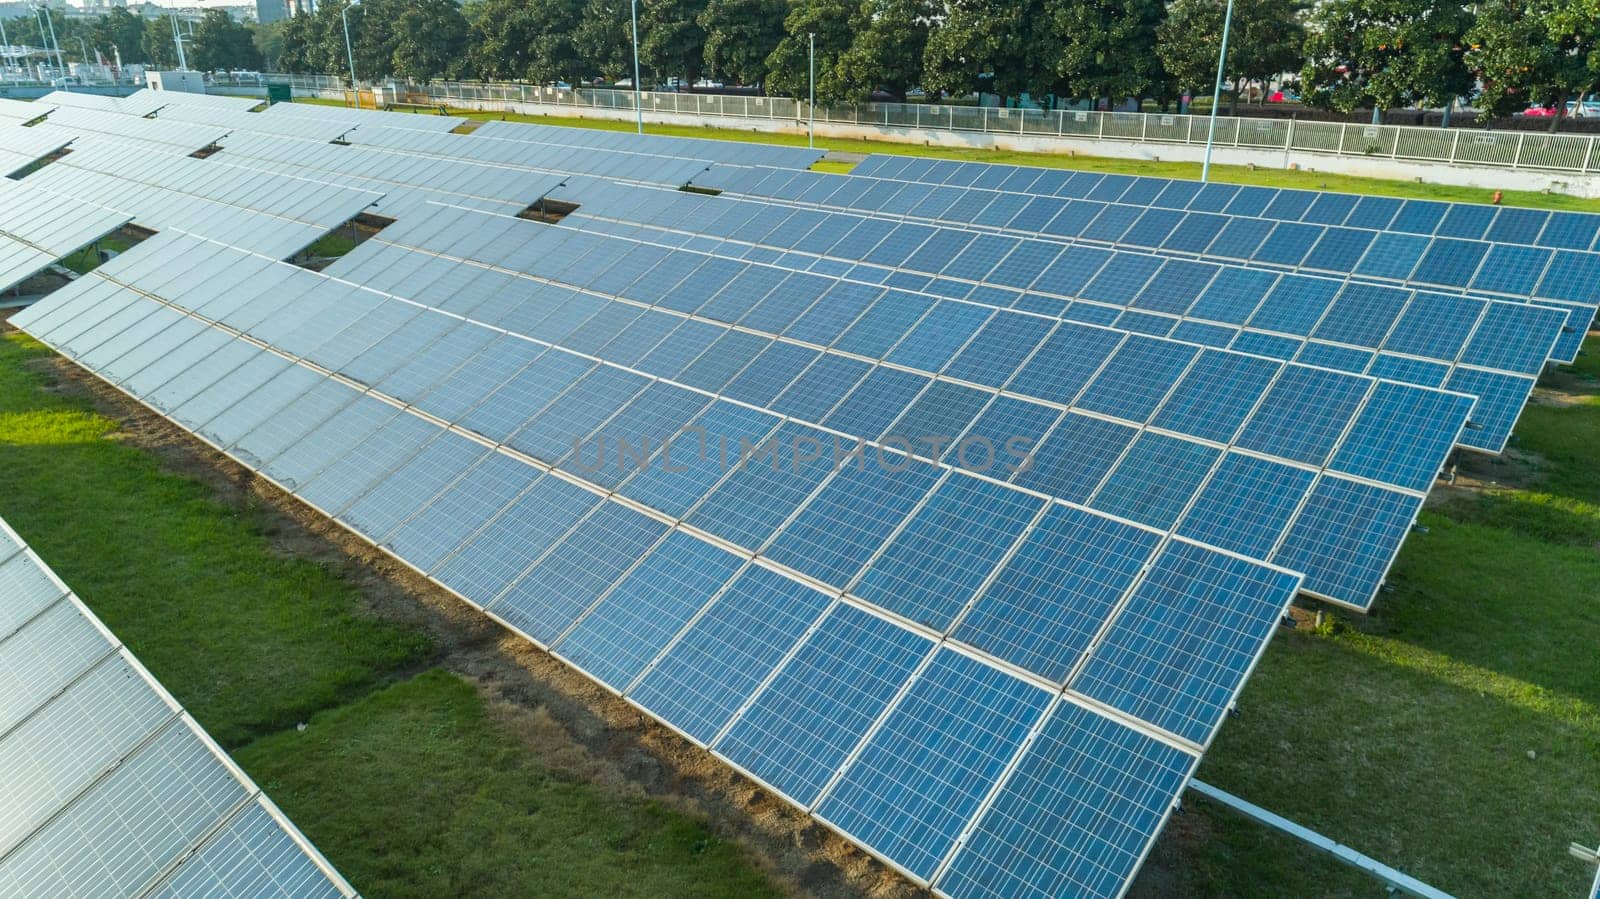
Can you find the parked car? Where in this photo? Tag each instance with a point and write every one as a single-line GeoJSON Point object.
{"type": "Point", "coordinates": [1586, 110]}
{"type": "Point", "coordinates": [1538, 111]}
{"type": "Point", "coordinates": [1282, 96]}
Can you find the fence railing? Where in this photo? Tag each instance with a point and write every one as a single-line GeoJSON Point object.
{"type": "Point", "coordinates": [1573, 153]}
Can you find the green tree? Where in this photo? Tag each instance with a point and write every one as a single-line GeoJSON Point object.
{"type": "Point", "coordinates": [220, 43]}
{"type": "Point", "coordinates": [119, 31]}
{"type": "Point", "coordinates": [301, 48]}
{"type": "Point", "coordinates": [1387, 54]}
{"type": "Point", "coordinates": [835, 24]}
{"type": "Point", "coordinates": [159, 50]}
{"type": "Point", "coordinates": [887, 53]}
{"type": "Point", "coordinates": [604, 38]}
{"type": "Point", "coordinates": [526, 39]}
{"type": "Point", "coordinates": [1004, 47]}
{"type": "Point", "coordinates": [1535, 51]}
{"type": "Point", "coordinates": [268, 38]}
{"type": "Point", "coordinates": [1265, 40]}
{"type": "Point", "coordinates": [1107, 48]}
{"type": "Point", "coordinates": [740, 35]}
{"type": "Point", "coordinates": [430, 40]}
{"type": "Point", "coordinates": [671, 40]}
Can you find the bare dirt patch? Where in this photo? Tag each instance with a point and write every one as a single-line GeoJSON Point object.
{"type": "Point", "coordinates": [567, 722]}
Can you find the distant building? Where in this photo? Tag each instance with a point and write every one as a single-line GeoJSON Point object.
{"type": "Point", "coordinates": [271, 11]}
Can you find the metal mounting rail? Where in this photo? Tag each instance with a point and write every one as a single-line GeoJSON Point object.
{"type": "Point", "coordinates": [1397, 882]}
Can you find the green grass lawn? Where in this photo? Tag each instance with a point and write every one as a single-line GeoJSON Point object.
{"type": "Point", "coordinates": [406, 783]}
{"type": "Point", "coordinates": [1265, 177]}
{"type": "Point", "coordinates": [434, 798]}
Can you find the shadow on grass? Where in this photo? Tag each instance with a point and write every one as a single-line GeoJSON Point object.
{"type": "Point", "coordinates": [1455, 774]}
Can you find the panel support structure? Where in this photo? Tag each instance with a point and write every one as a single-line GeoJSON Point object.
{"type": "Point", "coordinates": [1397, 882]}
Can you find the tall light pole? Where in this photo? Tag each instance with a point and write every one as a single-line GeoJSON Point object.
{"type": "Point", "coordinates": [1216, 95]}
{"type": "Point", "coordinates": [638, 104]}
{"type": "Point", "coordinates": [349, 52]}
{"type": "Point", "coordinates": [811, 106]}
{"type": "Point", "coordinates": [177, 41]}
{"type": "Point", "coordinates": [11, 60]}
{"type": "Point", "coordinates": [51, 21]}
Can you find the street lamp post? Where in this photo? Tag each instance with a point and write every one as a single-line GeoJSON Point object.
{"type": "Point", "coordinates": [349, 52]}
{"type": "Point", "coordinates": [638, 102]}
{"type": "Point", "coordinates": [177, 41]}
{"type": "Point", "coordinates": [43, 12]}
{"type": "Point", "coordinates": [6, 43]}
{"type": "Point", "coordinates": [1216, 95]}
{"type": "Point", "coordinates": [811, 106]}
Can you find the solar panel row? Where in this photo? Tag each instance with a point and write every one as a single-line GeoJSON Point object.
{"type": "Point", "coordinates": [545, 158]}
{"type": "Point", "coordinates": [733, 152]}
{"type": "Point", "coordinates": [1561, 278]}
{"type": "Point", "coordinates": [398, 176]}
{"type": "Point", "coordinates": [38, 228]}
{"type": "Point", "coordinates": [1481, 347]}
{"type": "Point", "coordinates": [265, 211]}
{"type": "Point", "coordinates": [1468, 221]}
{"type": "Point", "coordinates": [93, 127]}
{"type": "Point", "coordinates": [110, 787]}
{"type": "Point", "coordinates": [942, 747]}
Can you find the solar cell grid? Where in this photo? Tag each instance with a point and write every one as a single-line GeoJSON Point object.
{"type": "Point", "coordinates": [1297, 304]}
{"type": "Point", "coordinates": [701, 662]}
{"type": "Point", "coordinates": [1444, 259]}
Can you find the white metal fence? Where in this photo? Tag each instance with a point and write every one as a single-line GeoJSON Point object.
{"type": "Point", "coordinates": [1542, 151]}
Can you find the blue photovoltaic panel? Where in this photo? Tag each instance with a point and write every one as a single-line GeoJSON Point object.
{"type": "Point", "coordinates": [852, 516]}
{"type": "Point", "coordinates": [1075, 457]}
{"type": "Point", "coordinates": [1303, 414]}
{"type": "Point", "coordinates": [1179, 652]}
{"type": "Point", "coordinates": [637, 618]}
{"type": "Point", "coordinates": [930, 570]}
{"type": "Point", "coordinates": [1054, 595]}
{"type": "Point", "coordinates": [1247, 504]}
{"type": "Point", "coordinates": [819, 706]}
{"type": "Point", "coordinates": [923, 772]}
{"type": "Point", "coordinates": [1076, 816]}
{"type": "Point", "coordinates": [1136, 378]}
{"type": "Point", "coordinates": [764, 489]}
{"type": "Point", "coordinates": [1400, 435]}
{"type": "Point", "coordinates": [1155, 479]}
{"type": "Point", "coordinates": [728, 651]}
{"type": "Point", "coordinates": [561, 586]}
{"type": "Point", "coordinates": [1346, 536]}
{"type": "Point", "coordinates": [1216, 395]}
{"type": "Point", "coordinates": [1501, 398]}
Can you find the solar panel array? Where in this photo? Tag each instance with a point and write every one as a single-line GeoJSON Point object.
{"type": "Point", "coordinates": [1492, 350]}
{"type": "Point", "coordinates": [1462, 247]}
{"type": "Point", "coordinates": [22, 147]}
{"type": "Point", "coordinates": [109, 786]}
{"type": "Point", "coordinates": [275, 214]}
{"type": "Point", "coordinates": [732, 152]}
{"type": "Point", "coordinates": [961, 371]}
{"type": "Point", "coordinates": [38, 228]}
{"type": "Point", "coordinates": [407, 182]}
{"type": "Point", "coordinates": [709, 596]}
{"type": "Point", "coordinates": [718, 452]}
{"type": "Point", "coordinates": [98, 127]}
